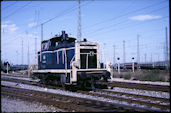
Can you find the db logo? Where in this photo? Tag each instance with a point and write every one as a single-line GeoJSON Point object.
{"type": "Point", "coordinates": [91, 53]}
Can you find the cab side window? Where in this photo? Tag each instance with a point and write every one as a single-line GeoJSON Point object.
{"type": "Point", "coordinates": [56, 44]}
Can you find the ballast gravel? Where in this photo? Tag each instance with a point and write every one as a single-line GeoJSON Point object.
{"type": "Point", "coordinates": [73, 94]}
{"type": "Point", "coordinates": [140, 82]}
{"type": "Point", "coordinates": [141, 92]}
{"type": "Point", "coordinates": [18, 105]}
{"type": "Point", "coordinates": [20, 78]}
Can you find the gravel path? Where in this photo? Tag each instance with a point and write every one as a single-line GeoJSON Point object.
{"type": "Point", "coordinates": [17, 105]}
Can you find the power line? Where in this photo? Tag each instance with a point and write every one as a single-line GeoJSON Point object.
{"type": "Point", "coordinates": [79, 22]}
{"type": "Point", "coordinates": [105, 20]}
{"type": "Point", "coordinates": [19, 9]}
{"type": "Point", "coordinates": [9, 5]}
{"type": "Point", "coordinates": [114, 55]}
{"type": "Point", "coordinates": [138, 51]}
{"type": "Point", "coordinates": [124, 52]}
{"type": "Point", "coordinates": [111, 19]}
{"type": "Point", "coordinates": [114, 25]}
{"type": "Point", "coordinates": [22, 52]}
{"type": "Point", "coordinates": [167, 54]}
{"type": "Point", "coordinates": [131, 25]}
{"type": "Point", "coordinates": [62, 13]}
{"type": "Point", "coordinates": [145, 58]}
{"type": "Point", "coordinates": [35, 50]}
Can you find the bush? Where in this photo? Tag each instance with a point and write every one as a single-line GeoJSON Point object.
{"type": "Point", "coordinates": [153, 75]}
{"type": "Point", "coordinates": [126, 76]}
{"type": "Point", "coordinates": [145, 75]}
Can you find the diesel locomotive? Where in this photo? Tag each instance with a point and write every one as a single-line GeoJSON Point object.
{"type": "Point", "coordinates": [63, 61]}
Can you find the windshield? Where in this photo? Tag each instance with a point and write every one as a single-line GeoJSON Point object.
{"type": "Point", "coordinates": [45, 45]}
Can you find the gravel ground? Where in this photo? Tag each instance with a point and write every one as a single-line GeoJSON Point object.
{"type": "Point", "coordinates": [113, 79]}
{"type": "Point", "coordinates": [130, 97]}
{"type": "Point", "coordinates": [74, 94]}
{"type": "Point", "coordinates": [140, 82]}
{"type": "Point", "coordinates": [22, 73]}
{"type": "Point", "coordinates": [20, 78]}
{"type": "Point", "coordinates": [141, 92]}
{"type": "Point", "coordinates": [17, 105]}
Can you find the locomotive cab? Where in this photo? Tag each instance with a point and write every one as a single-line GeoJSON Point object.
{"type": "Point", "coordinates": [64, 61]}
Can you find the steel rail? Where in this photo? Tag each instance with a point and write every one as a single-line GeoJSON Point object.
{"type": "Point", "coordinates": [130, 101]}
{"type": "Point", "coordinates": [63, 100]}
{"type": "Point", "coordinates": [149, 104]}
{"type": "Point", "coordinates": [166, 100]}
{"type": "Point", "coordinates": [137, 86]}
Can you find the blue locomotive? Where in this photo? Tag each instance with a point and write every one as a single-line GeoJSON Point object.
{"type": "Point", "coordinates": [63, 61]}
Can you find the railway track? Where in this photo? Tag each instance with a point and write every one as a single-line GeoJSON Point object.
{"type": "Point", "coordinates": [14, 79]}
{"type": "Point", "coordinates": [148, 87]}
{"type": "Point", "coordinates": [148, 101]}
{"type": "Point", "coordinates": [19, 74]}
{"type": "Point", "coordinates": [66, 102]}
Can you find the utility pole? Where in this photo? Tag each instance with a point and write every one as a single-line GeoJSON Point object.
{"type": "Point", "coordinates": [101, 54]}
{"type": "Point", "coordinates": [79, 22]}
{"type": "Point", "coordinates": [28, 48]}
{"type": "Point", "coordinates": [7, 67]}
{"type": "Point", "coordinates": [166, 60]}
{"type": "Point", "coordinates": [158, 57]}
{"type": "Point", "coordinates": [22, 52]}
{"type": "Point", "coordinates": [145, 55]}
{"type": "Point", "coordinates": [41, 42]}
{"type": "Point", "coordinates": [151, 58]}
{"type": "Point", "coordinates": [41, 32]}
{"type": "Point", "coordinates": [138, 54]}
{"type": "Point", "coordinates": [35, 50]}
{"type": "Point", "coordinates": [133, 64]}
{"type": "Point", "coordinates": [118, 65]}
{"type": "Point", "coordinates": [114, 55]}
{"type": "Point", "coordinates": [17, 57]}
{"type": "Point", "coordinates": [28, 55]}
{"type": "Point", "coordinates": [124, 54]}
{"type": "Point", "coordinates": [104, 54]}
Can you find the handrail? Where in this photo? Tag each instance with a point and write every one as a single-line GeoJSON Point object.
{"type": "Point", "coordinates": [72, 60]}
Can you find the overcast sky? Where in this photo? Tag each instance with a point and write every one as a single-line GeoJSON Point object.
{"type": "Point", "coordinates": [108, 22]}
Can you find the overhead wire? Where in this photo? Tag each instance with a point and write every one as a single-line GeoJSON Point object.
{"type": "Point", "coordinates": [101, 22]}
{"type": "Point", "coordinates": [19, 9]}
{"type": "Point", "coordinates": [122, 22]}
{"type": "Point", "coordinates": [134, 25]}
{"type": "Point", "coordinates": [49, 19]}
{"type": "Point", "coordinates": [9, 5]}
{"type": "Point", "coordinates": [114, 18]}
{"type": "Point", "coordinates": [61, 14]}
{"type": "Point", "coordinates": [35, 26]}
{"type": "Point", "coordinates": [143, 23]}
{"type": "Point", "coordinates": [113, 26]}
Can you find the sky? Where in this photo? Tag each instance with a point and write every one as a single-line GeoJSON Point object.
{"type": "Point", "coordinates": [108, 22]}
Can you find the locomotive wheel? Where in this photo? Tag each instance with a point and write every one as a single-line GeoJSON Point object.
{"type": "Point", "coordinates": [56, 82]}
{"type": "Point", "coordinates": [92, 83]}
{"type": "Point", "coordinates": [106, 75]}
{"type": "Point", "coordinates": [62, 80]}
{"type": "Point", "coordinates": [83, 84]}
